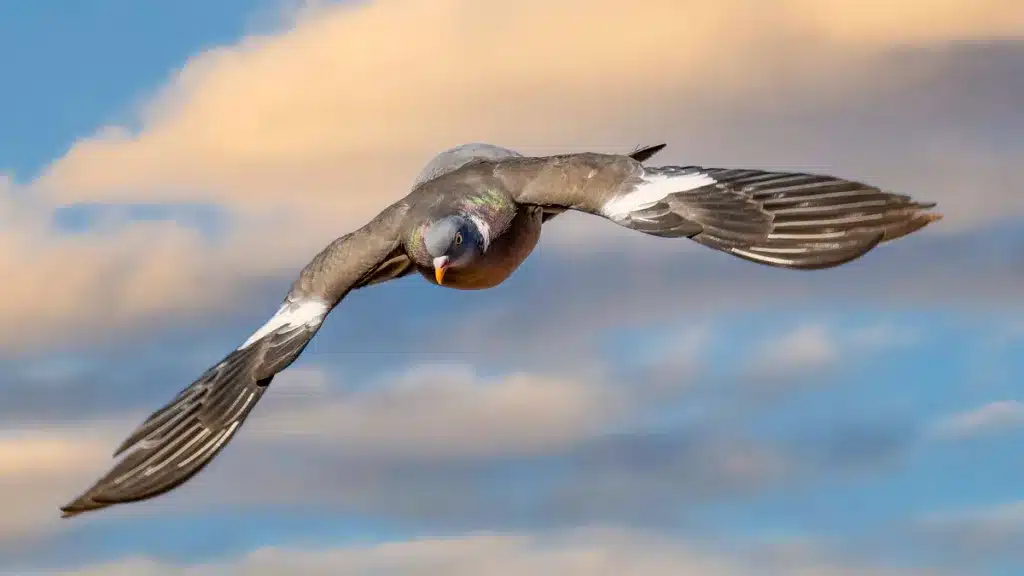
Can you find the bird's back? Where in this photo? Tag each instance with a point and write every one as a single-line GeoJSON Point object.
{"type": "Point", "coordinates": [457, 157]}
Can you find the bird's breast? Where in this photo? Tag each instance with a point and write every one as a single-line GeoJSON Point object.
{"type": "Point", "coordinates": [504, 255]}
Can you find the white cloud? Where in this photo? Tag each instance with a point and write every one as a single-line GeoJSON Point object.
{"type": "Point", "coordinates": [990, 418]}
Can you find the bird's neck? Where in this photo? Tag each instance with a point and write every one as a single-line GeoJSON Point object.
{"type": "Point", "coordinates": [416, 246]}
{"type": "Point", "coordinates": [490, 211]}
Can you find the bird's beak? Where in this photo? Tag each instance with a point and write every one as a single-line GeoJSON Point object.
{"type": "Point", "coordinates": [440, 265]}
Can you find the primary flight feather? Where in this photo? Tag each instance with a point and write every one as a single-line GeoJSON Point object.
{"type": "Point", "coordinates": [474, 214]}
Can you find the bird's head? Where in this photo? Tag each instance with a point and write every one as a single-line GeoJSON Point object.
{"type": "Point", "coordinates": [453, 242]}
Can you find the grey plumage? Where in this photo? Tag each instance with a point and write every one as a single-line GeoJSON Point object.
{"type": "Point", "coordinates": [782, 219]}
{"type": "Point", "coordinates": [454, 158]}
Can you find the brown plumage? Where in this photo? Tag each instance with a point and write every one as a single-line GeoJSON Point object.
{"type": "Point", "coordinates": [491, 203]}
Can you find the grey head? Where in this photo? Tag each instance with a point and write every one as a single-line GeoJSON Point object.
{"type": "Point", "coordinates": [453, 241]}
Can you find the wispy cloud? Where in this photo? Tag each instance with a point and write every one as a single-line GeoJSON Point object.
{"type": "Point", "coordinates": [990, 418]}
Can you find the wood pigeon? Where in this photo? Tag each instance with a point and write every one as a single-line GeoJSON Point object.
{"type": "Point", "coordinates": [474, 214]}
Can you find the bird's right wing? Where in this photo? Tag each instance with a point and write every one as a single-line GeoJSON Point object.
{"type": "Point", "coordinates": [178, 440]}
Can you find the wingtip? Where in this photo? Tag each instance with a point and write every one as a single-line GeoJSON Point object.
{"type": "Point", "coordinates": [70, 511]}
{"type": "Point", "coordinates": [80, 505]}
{"type": "Point", "coordinates": [924, 218]}
{"type": "Point", "coordinates": [124, 446]}
{"type": "Point", "coordinates": [915, 222]}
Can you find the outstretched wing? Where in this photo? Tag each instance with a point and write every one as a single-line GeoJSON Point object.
{"type": "Point", "coordinates": [783, 219]}
{"type": "Point", "coordinates": [178, 440]}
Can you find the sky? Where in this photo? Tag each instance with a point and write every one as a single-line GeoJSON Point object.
{"type": "Point", "coordinates": [623, 403]}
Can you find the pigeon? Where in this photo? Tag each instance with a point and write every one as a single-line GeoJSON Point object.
{"type": "Point", "coordinates": [473, 215]}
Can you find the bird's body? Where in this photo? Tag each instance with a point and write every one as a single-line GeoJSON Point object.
{"type": "Point", "coordinates": [474, 215]}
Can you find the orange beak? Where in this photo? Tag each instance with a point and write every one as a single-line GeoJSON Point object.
{"type": "Point", "coordinates": [440, 265]}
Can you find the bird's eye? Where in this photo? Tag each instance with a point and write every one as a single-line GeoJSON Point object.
{"type": "Point", "coordinates": [458, 238]}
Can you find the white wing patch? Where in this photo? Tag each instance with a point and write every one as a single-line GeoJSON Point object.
{"type": "Point", "coordinates": [292, 314]}
{"type": "Point", "coordinates": [653, 189]}
{"type": "Point", "coordinates": [485, 230]}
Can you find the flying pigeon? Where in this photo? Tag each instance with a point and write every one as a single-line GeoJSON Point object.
{"type": "Point", "coordinates": [474, 214]}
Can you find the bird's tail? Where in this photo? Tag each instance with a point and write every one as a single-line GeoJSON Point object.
{"type": "Point", "coordinates": [782, 219]}
{"type": "Point", "coordinates": [644, 153]}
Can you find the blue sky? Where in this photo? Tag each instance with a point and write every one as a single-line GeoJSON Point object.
{"type": "Point", "coordinates": [174, 165]}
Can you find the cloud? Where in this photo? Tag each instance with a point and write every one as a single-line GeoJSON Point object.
{"type": "Point", "coordinates": [990, 418]}
{"type": "Point", "coordinates": [642, 478]}
{"type": "Point", "coordinates": [806, 347]}
{"type": "Point", "coordinates": [436, 445]}
{"type": "Point", "coordinates": [450, 447]}
{"type": "Point", "coordinates": [815, 346]}
{"type": "Point", "coordinates": [443, 411]}
{"type": "Point", "coordinates": [250, 124]}
{"type": "Point", "coordinates": [38, 467]}
{"type": "Point", "coordinates": [595, 552]}
{"type": "Point", "coordinates": [275, 130]}
{"type": "Point", "coordinates": [423, 417]}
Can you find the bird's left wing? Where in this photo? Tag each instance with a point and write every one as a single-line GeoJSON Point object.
{"type": "Point", "coordinates": [178, 440]}
{"type": "Point", "coordinates": [782, 219]}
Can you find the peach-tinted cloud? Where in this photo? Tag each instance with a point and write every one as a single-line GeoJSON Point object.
{"type": "Point", "coordinates": [306, 132]}
{"type": "Point", "coordinates": [38, 468]}
{"type": "Point", "coordinates": [875, 22]}
{"type": "Point", "coordinates": [140, 271]}
{"type": "Point", "coordinates": [341, 109]}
